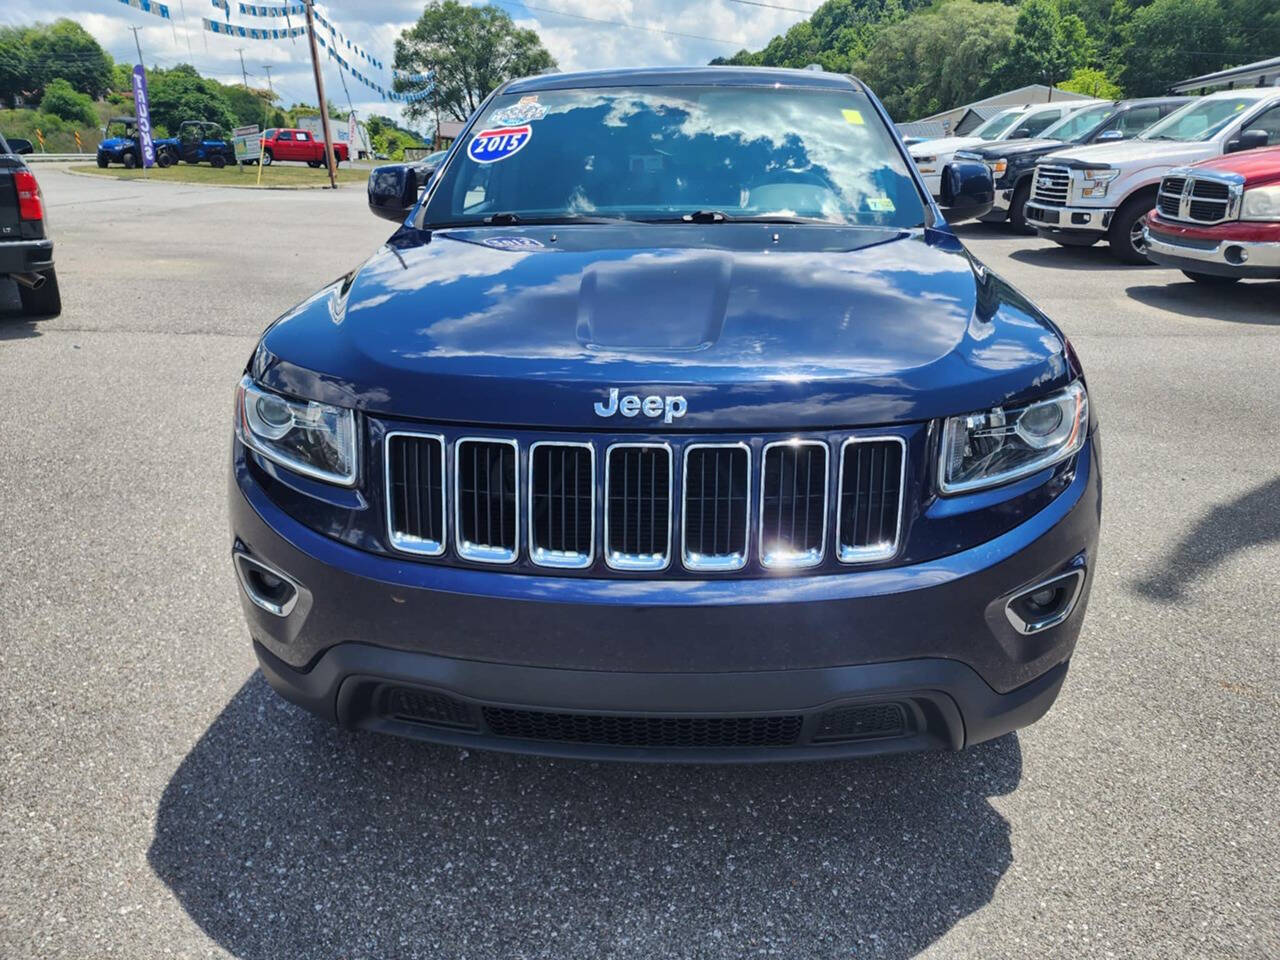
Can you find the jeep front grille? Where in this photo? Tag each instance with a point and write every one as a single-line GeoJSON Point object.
{"type": "Point", "coordinates": [717, 497]}
{"type": "Point", "coordinates": [562, 482]}
{"type": "Point", "coordinates": [584, 504]}
{"type": "Point", "coordinates": [487, 516]}
{"type": "Point", "coordinates": [1052, 185]}
{"type": "Point", "coordinates": [793, 504]}
{"type": "Point", "coordinates": [637, 519]}
{"type": "Point", "coordinates": [415, 493]}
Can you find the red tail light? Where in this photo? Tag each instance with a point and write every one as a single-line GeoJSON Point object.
{"type": "Point", "coordinates": [29, 204]}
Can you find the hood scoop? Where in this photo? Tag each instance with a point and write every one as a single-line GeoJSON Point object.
{"type": "Point", "coordinates": [654, 301]}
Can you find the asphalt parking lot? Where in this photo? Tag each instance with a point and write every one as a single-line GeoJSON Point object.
{"type": "Point", "coordinates": [158, 800]}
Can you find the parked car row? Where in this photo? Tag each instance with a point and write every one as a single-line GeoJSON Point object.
{"type": "Point", "coordinates": [201, 141]}
{"type": "Point", "coordinates": [1173, 180]}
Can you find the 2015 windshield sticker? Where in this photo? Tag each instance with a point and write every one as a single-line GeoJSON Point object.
{"type": "Point", "coordinates": [490, 146]}
{"type": "Point", "coordinates": [880, 204]}
{"type": "Point", "coordinates": [526, 111]}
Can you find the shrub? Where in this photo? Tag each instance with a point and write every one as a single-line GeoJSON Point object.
{"type": "Point", "coordinates": [61, 100]}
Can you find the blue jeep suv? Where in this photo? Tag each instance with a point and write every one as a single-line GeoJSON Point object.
{"type": "Point", "coordinates": [673, 423]}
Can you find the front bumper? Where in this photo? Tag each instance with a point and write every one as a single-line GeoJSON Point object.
{"type": "Point", "coordinates": [25, 256]}
{"type": "Point", "coordinates": [1203, 252]}
{"type": "Point", "coordinates": [1079, 221]}
{"type": "Point", "coordinates": [930, 641]}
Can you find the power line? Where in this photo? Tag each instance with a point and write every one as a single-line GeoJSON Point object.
{"type": "Point", "coordinates": [774, 6]}
{"type": "Point", "coordinates": [617, 23]}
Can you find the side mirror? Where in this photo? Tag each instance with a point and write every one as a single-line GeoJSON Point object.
{"type": "Point", "coordinates": [1247, 140]}
{"type": "Point", "coordinates": [19, 146]}
{"type": "Point", "coordinates": [1107, 136]}
{"type": "Point", "coordinates": [1021, 133]}
{"type": "Point", "coordinates": [967, 190]}
{"type": "Point", "coordinates": [393, 190]}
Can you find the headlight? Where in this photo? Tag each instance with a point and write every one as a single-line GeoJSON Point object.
{"type": "Point", "coordinates": [985, 449]}
{"type": "Point", "coordinates": [1261, 203]}
{"type": "Point", "coordinates": [998, 167]}
{"type": "Point", "coordinates": [1093, 183]}
{"type": "Point", "coordinates": [314, 439]}
{"type": "Point", "coordinates": [925, 164]}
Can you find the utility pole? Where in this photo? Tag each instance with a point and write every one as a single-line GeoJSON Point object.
{"type": "Point", "coordinates": [324, 103]}
{"type": "Point", "coordinates": [267, 67]}
{"type": "Point", "coordinates": [243, 73]}
{"type": "Point", "coordinates": [138, 43]}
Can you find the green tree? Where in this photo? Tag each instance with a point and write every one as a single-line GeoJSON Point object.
{"type": "Point", "coordinates": [182, 94]}
{"type": "Point", "coordinates": [61, 100]}
{"type": "Point", "coordinates": [471, 50]}
{"type": "Point", "coordinates": [1092, 83]}
{"type": "Point", "coordinates": [1047, 46]}
{"type": "Point", "coordinates": [15, 65]}
{"type": "Point", "coordinates": [65, 49]}
{"type": "Point", "coordinates": [937, 59]}
{"type": "Point", "coordinates": [248, 105]}
{"type": "Point", "coordinates": [1170, 40]}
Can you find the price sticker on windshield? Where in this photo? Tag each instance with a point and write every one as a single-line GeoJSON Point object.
{"type": "Point", "coordinates": [853, 116]}
{"type": "Point", "coordinates": [490, 146]}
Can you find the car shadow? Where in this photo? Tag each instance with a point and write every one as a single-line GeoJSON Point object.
{"type": "Point", "coordinates": [14, 325]}
{"type": "Point", "coordinates": [1096, 259]}
{"type": "Point", "coordinates": [1251, 520]}
{"type": "Point", "coordinates": [1238, 303]}
{"type": "Point", "coordinates": [284, 836]}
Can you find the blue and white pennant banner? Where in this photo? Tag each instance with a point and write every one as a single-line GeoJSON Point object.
{"type": "Point", "coordinates": [161, 10]}
{"type": "Point", "coordinates": [253, 33]}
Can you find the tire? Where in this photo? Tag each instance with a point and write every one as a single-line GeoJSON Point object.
{"type": "Point", "coordinates": [1069, 241]}
{"type": "Point", "coordinates": [44, 302]}
{"type": "Point", "coordinates": [1210, 279]}
{"type": "Point", "coordinates": [1018, 208]}
{"type": "Point", "coordinates": [103, 162]}
{"type": "Point", "coordinates": [217, 161]}
{"type": "Point", "coordinates": [267, 158]}
{"type": "Point", "coordinates": [165, 158]}
{"type": "Point", "coordinates": [313, 164]}
{"type": "Point", "coordinates": [1125, 235]}
{"type": "Point", "coordinates": [129, 159]}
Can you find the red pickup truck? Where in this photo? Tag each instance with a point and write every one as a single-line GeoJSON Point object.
{"type": "Point", "coordinates": [1219, 221]}
{"type": "Point", "coordinates": [282, 144]}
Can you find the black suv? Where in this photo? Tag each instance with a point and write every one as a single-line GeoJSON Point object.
{"type": "Point", "coordinates": [26, 251]}
{"type": "Point", "coordinates": [1013, 161]}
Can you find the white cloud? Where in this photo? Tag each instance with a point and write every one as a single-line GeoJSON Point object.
{"type": "Point", "coordinates": [577, 44]}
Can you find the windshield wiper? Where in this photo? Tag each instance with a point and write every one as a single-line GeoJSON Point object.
{"type": "Point", "coordinates": [512, 219]}
{"type": "Point", "coordinates": [719, 216]}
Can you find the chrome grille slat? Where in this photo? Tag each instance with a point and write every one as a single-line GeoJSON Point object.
{"type": "Point", "coordinates": [562, 481]}
{"type": "Point", "coordinates": [486, 515]}
{"type": "Point", "coordinates": [1051, 185]}
{"type": "Point", "coordinates": [415, 492]}
{"type": "Point", "coordinates": [870, 498]}
{"type": "Point", "coordinates": [793, 503]}
{"type": "Point", "coordinates": [637, 520]}
{"type": "Point", "coordinates": [716, 506]}
{"type": "Point", "coordinates": [1197, 199]}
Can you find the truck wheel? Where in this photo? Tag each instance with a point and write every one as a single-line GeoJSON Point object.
{"type": "Point", "coordinates": [1125, 235]}
{"type": "Point", "coordinates": [313, 164]}
{"type": "Point", "coordinates": [1210, 279]}
{"type": "Point", "coordinates": [129, 159]}
{"type": "Point", "coordinates": [1018, 208]}
{"type": "Point", "coordinates": [102, 162]}
{"type": "Point", "coordinates": [267, 158]}
{"type": "Point", "coordinates": [217, 161]}
{"type": "Point", "coordinates": [45, 301]}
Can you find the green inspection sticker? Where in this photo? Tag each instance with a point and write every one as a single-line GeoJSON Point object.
{"type": "Point", "coordinates": [880, 204]}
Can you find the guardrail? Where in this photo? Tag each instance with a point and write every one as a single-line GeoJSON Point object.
{"type": "Point", "coordinates": [52, 157]}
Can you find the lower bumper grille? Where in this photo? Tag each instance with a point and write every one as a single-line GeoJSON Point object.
{"type": "Point", "coordinates": [858, 723]}
{"type": "Point", "coordinates": [630, 731]}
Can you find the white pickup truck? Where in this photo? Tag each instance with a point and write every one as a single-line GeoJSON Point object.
{"type": "Point", "coordinates": [1016, 123]}
{"type": "Point", "coordinates": [1105, 191]}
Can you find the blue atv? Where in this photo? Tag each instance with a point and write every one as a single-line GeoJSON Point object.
{"type": "Point", "coordinates": [120, 145]}
{"type": "Point", "coordinates": [197, 141]}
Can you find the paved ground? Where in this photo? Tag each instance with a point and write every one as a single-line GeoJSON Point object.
{"type": "Point", "coordinates": [156, 799]}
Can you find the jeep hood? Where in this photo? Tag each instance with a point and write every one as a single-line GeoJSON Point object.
{"type": "Point", "coordinates": [757, 326]}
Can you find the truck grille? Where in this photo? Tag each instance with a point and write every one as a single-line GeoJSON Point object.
{"type": "Point", "coordinates": [488, 520]}
{"type": "Point", "coordinates": [872, 474]}
{"type": "Point", "coordinates": [1052, 185]}
{"type": "Point", "coordinates": [489, 502]}
{"type": "Point", "coordinates": [637, 520]}
{"type": "Point", "coordinates": [717, 492]}
{"type": "Point", "coordinates": [793, 505]}
{"type": "Point", "coordinates": [1196, 200]}
{"type": "Point", "coordinates": [562, 483]}
{"type": "Point", "coordinates": [415, 493]}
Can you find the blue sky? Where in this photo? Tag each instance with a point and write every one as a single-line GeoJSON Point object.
{"type": "Point", "coordinates": [572, 33]}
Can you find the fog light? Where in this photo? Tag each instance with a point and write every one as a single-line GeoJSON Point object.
{"type": "Point", "coordinates": [268, 589]}
{"type": "Point", "coordinates": [1235, 254]}
{"type": "Point", "coordinates": [1046, 604]}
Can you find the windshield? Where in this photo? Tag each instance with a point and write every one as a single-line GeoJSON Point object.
{"type": "Point", "coordinates": [997, 124]}
{"type": "Point", "coordinates": [1198, 120]}
{"type": "Point", "coordinates": [680, 152]}
{"type": "Point", "coordinates": [1076, 125]}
